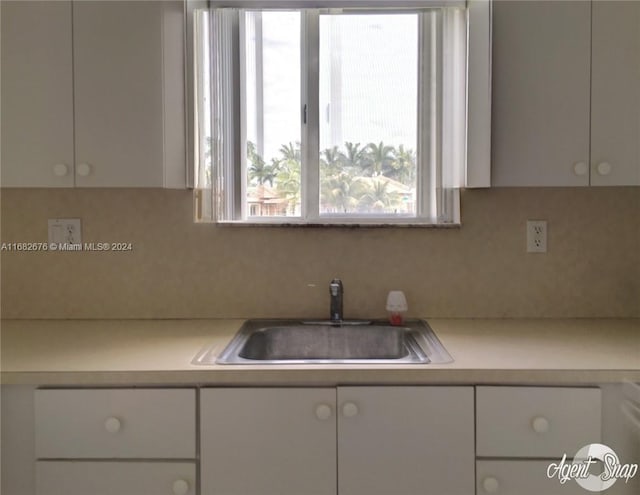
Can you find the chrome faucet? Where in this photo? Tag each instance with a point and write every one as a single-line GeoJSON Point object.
{"type": "Point", "coordinates": [336, 291]}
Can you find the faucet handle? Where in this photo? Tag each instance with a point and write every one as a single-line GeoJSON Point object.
{"type": "Point", "coordinates": [335, 287]}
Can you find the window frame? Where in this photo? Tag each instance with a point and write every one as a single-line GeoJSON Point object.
{"type": "Point", "coordinates": [477, 137]}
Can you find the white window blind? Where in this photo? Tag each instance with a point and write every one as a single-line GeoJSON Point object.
{"type": "Point", "coordinates": [331, 116]}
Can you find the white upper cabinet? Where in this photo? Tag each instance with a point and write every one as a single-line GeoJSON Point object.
{"type": "Point", "coordinates": [566, 93]}
{"type": "Point", "coordinates": [541, 61]}
{"type": "Point", "coordinates": [107, 87]}
{"type": "Point", "coordinates": [37, 94]}
{"type": "Point", "coordinates": [615, 99]}
{"type": "Point", "coordinates": [118, 93]}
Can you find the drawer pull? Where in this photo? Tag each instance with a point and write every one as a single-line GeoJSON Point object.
{"type": "Point", "coordinates": [580, 168]}
{"type": "Point", "coordinates": [349, 410]}
{"type": "Point", "coordinates": [604, 168]}
{"type": "Point", "coordinates": [83, 169]}
{"type": "Point", "coordinates": [180, 487]}
{"type": "Point", "coordinates": [490, 485]}
{"type": "Point", "coordinates": [540, 424]}
{"type": "Point", "coordinates": [112, 425]}
{"type": "Point", "coordinates": [323, 412]}
{"type": "Point", "coordinates": [60, 169]}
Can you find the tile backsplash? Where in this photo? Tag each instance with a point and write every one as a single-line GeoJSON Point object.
{"type": "Point", "coordinates": [180, 269]}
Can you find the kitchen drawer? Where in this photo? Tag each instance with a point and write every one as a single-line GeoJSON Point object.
{"type": "Point", "coordinates": [536, 421]}
{"type": "Point", "coordinates": [115, 423]}
{"type": "Point", "coordinates": [521, 478]}
{"type": "Point", "coordinates": [115, 478]}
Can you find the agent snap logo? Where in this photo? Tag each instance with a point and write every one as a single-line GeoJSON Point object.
{"type": "Point", "coordinates": [585, 458]}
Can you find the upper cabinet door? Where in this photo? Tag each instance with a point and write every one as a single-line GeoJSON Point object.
{"type": "Point", "coordinates": [406, 441]}
{"type": "Point", "coordinates": [615, 107]}
{"type": "Point", "coordinates": [37, 94]}
{"type": "Point", "coordinates": [541, 93]}
{"type": "Point", "coordinates": [117, 48]}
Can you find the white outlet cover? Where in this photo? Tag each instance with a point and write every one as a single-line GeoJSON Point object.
{"type": "Point", "coordinates": [65, 231]}
{"type": "Point", "coordinates": [536, 236]}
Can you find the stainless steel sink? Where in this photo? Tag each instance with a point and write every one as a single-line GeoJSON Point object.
{"type": "Point", "coordinates": [299, 342]}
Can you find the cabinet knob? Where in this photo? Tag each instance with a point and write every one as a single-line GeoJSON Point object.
{"type": "Point", "coordinates": [180, 487]}
{"type": "Point", "coordinates": [60, 169]}
{"type": "Point", "coordinates": [83, 169]}
{"type": "Point", "coordinates": [540, 424]}
{"type": "Point", "coordinates": [580, 168]}
{"type": "Point", "coordinates": [323, 411]}
{"type": "Point", "coordinates": [490, 484]}
{"type": "Point", "coordinates": [604, 168]}
{"type": "Point", "coordinates": [349, 410]}
{"type": "Point", "coordinates": [112, 425]}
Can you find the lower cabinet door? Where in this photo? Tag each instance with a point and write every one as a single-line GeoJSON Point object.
{"type": "Point", "coordinates": [405, 440]}
{"type": "Point", "coordinates": [536, 422]}
{"type": "Point", "coordinates": [268, 441]}
{"type": "Point", "coordinates": [521, 478]}
{"type": "Point", "coordinates": [115, 423]}
{"type": "Point", "coordinates": [115, 478]}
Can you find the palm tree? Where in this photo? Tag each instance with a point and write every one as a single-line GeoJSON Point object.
{"type": "Point", "coordinates": [379, 158]}
{"type": "Point", "coordinates": [341, 192]}
{"type": "Point", "coordinates": [259, 172]}
{"type": "Point", "coordinates": [252, 153]}
{"type": "Point", "coordinates": [288, 183]}
{"type": "Point", "coordinates": [330, 162]}
{"type": "Point", "coordinates": [291, 152]}
{"type": "Point", "coordinates": [378, 198]}
{"type": "Point", "coordinates": [403, 167]}
{"type": "Point", "coordinates": [354, 157]}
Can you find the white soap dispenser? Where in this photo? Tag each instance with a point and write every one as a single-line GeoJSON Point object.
{"type": "Point", "coordinates": [396, 306]}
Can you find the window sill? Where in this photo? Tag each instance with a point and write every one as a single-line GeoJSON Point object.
{"type": "Point", "coordinates": [354, 224]}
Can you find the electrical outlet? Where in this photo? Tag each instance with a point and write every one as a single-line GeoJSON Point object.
{"type": "Point", "coordinates": [65, 231]}
{"type": "Point", "coordinates": [536, 236]}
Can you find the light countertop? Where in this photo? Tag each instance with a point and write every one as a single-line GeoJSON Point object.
{"type": "Point", "coordinates": [159, 352]}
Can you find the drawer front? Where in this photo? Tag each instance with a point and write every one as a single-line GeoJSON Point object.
{"type": "Point", "coordinates": [536, 421]}
{"type": "Point", "coordinates": [521, 478]}
{"type": "Point", "coordinates": [115, 478]}
{"type": "Point", "coordinates": [115, 423]}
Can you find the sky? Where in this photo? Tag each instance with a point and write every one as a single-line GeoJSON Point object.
{"type": "Point", "coordinates": [368, 80]}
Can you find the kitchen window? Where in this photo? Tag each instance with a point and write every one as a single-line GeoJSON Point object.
{"type": "Point", "coordinates": [337, 115]}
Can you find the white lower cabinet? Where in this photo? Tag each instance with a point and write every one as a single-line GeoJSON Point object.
{"type": "Point", "coordinates": [115, 441]}
{"type": "Point", "coordinates": [539, 422]}
{"type": "Point", "coordinates": [522, 430]}
{"type": "Point", "coordinates": [405, 440]}
{"type": "Point", "coordinates": [349, 440]}
{"type": "Point", "coordinates": [263, 441]}
{"type": "Point", "coordinates": [115, 478]}
{"type": "Point", "coordinates": [521, 478]}
{"type": "Point", "coordinates": [115, 423]}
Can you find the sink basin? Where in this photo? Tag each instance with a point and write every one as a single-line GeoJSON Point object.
{"type": "Point", "coordinates": [324, 342]}
{"type": "Point", "coordinates": [298, 342]}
